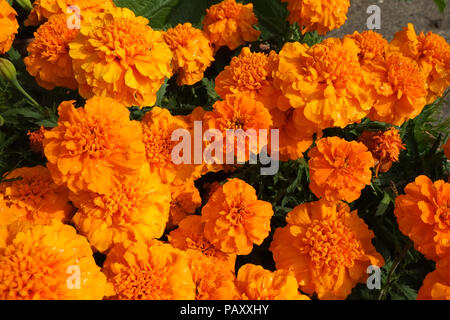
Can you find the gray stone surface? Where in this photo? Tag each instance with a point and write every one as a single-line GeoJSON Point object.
{"type": "Point", "coordinates": [396, 14]}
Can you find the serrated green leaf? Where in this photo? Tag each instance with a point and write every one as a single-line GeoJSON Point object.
{"type": "Point", "coordinates": [156, 11]}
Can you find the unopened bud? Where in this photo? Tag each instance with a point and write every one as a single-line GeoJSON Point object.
{"type": "Point", "coordinates": [26, 4]}
{"type": "Point", "coordinates": [7, 70]}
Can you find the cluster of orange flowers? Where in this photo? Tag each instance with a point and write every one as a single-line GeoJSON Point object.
{"type": "Point", "coordinates": [114, 180]}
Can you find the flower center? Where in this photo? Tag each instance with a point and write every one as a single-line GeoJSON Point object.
{"type": "Point", "coordinates": [91, 138]}
{"type": "Point", "coordinates": [141, 283]}
{"type": "Point", "coordinates": [330, 244]}
{"type": "Point", "coordinates": [158, 147]}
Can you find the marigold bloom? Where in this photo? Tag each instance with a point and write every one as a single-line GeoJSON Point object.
{"type": "Point", "coordinates": [157, 127]}
{"type": "Point", "coordinates": [256, 283]}
{"type": "Point", "coordinates": [320, 15]}
{"type": "Point", "coordinates": [44, 9]}
{"type": "Point", "coordinates": [436, 285]}
{"type": "Point", "coordinates": [385, 147]}
{"type": "Point", "coordinates": [239, 111]}
{"type": "Point", "coordinates": [327, 247]}
{"type": "Point", "coordinates": [185, 201]}
{"type": "Point", "coordinates": [130, 70]}
{"type": "Point", "coordinates": [339, 169]}
{"type": "Point", "coordinates": [48, 60]}
{"type": "Point", "coordinates": [190, 236]}
{"type": "Point", "coordinates": [8, 25]}
{"type": "Point", "coordinates": [325, 81]}
{"type": "Point", "coordinates": [38, 261]}
{"type": "Point", "coordinates": [235, 219]}
{"type": "Point", "coordinates": [400, 90]}
{"type": "Point", "coordinates": [431, 52]}
{"type": "Point", "coordinates": [148, 271]}
{"type": "Point", "coordinates": [214, 282]}
{"type": "Point", "coordinates": [36, 138]}
{"type": "Point", "coordinates": [31, 195]}
{"type": "Point", "coordinates": [250, 73]}
{"type": "Point", "coordinates": [230, 24]}
{"type": "Point", "coordinates": [371, 44]}
{"type": "Point", "coordinates": [192, 52]}
{"type": "Point", "coordinates": [423, 214]}
{"type": "Point", "coordinates": [94, 147]}
{"type": "Point", "coordinates": [135, 210]}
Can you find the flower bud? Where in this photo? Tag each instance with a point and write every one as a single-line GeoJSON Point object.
{"type": "Point", "coordinates": [26, 4]}
{"type": "Point", "coordinates": [7, 70]}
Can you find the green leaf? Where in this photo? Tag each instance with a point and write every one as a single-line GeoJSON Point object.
{"type": "Point", "coordinates": [272, 16]}
{"type": "Point", "coordinates": [441, 4]}
{"type": "Point", "coordinates": [384, 204]}
{"type": "Point", "coordinates": [188, 11]}
{"type": "Point", "coordinates": [156, 11]}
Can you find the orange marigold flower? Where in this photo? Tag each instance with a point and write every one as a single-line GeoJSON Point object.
{"type": "Point", "coordinates": [190, 236]}
{"type": "Point", "coordinates": [130, 70]}
{"type": "Point", "coordinates": [431, 52]}
{"type": "Point", "coordinates": [8, 25]}
{"type": "Point", "coordinates": [31, 195]}
{"type": "Point", "coordinates": [215, 282]}
{"type": "Point", "coordinates": [400, 90]}
{"type": "Point", "coordinates": [48, 60]}
{"type": "Point", "coordinates": [37, 262]}
{"type": "Point", "coordinates": [256, 283]}
{"type": "Point", "coordinates": [158, 126]}
{"type": "Point", "coordinates": [339, 169]}
{"type": "Point", "coordinates": [230, 24]}
{"type": "Point", "coordinates": [36, 138]}
{"type": "Point", "coordinates": [235, 219]}
{"type": "Point", "coordinates": [320, 15]}
{"type": "Point", "coordinates": [185, 201]}
{"type": "Point", "coordinates": [423, 214]}
{"type": "Point", "coordinates": [327, 247]}
{"type": "Point", "coordinates": [192, 52]}
{"type": "Point", "coordinates": [212, 269]}
{"type": "Point", "coordinates": [94, 147]}
{"type": "Point", "coordinates": [148, 271]}
{"type": "Point", "coordinates": [250, 73]}
{"type": "Point", "coordinates": [372, 45]}
{"type": "Point", "coordinates": [44, 9]}
{"type": "Point", "coordinates": [240, 112]}
{"type": "Point", "coordinates": [436, 285]}
{"type": "Point", "coordinates": [325, 81]}
{"type": "Point", "coordinates": [138, 209]}
{"type": "Point", "coordinates": [385, 147]}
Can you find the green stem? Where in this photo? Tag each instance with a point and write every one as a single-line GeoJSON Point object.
{"type": "Point", "coordinates": [30, 99]}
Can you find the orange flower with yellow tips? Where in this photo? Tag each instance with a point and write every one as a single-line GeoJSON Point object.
{"type": "Point", "coordinates": [235, 219]}
{"type": "Point", "coordinates": [94, 147]}
{"type": "Point", "coordinates": [250, 73]}
{"type": "Point", "coordinates": [192, 53]}
{"type": "Point", "coordinates": [327, 247]}
{"type": "Point", "coordinates": [256, 283]}
{"type": "Point", "coordinates": [339, 169]}
{"type": "Point", "coordinates": [48, 60]}
{"type": "Point", "coordinates": [138, 209]}
{"type": "Point", "coordinates": [131, 70]}
{"type": "Point", "coordinates": [325, 82]}
{"type": "Point", "coordinates": [37, 263]}
{"type": "Point", "coordinates": [385, 147]}
{"type": "Point", "coordinates": [190, 237]}
{"type": "Point", "coordinates": [320, 15]}
{"type": "Point", "coordinates": [148, 271]}
{"type": "Point", "coordinates": [240, 112]}
{"type": "Point", "coordinates": [423, 214]}
{"type": "Point", "coordinates": [44, 9]}
{"type": "Point", "coordinates": [157, 127]}
{"type": "Point", "coordinates": [29, 194]}
{"type": "Point", "coordinates": [185, 201]}
{"type": "Point", "coordinates": [8, 25]}
{"type": "Point", "coordinates": [230, 24]}
{"type": "Point", "coordinates": [436, 285]}
{"type": "Point", "coordinates": [371, 44]}
{"type": "Point", "coordinates": [431, 52]}
{"type": "Point", "coordinates": [400, 92]}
